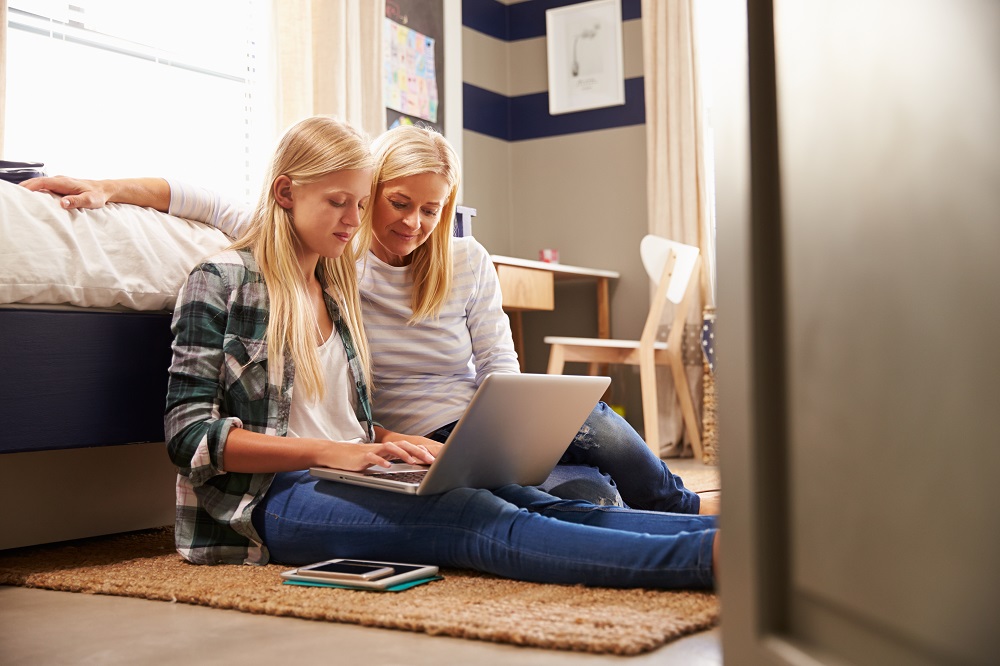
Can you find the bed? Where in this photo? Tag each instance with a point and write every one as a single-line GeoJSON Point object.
{"type": "Point", "coordinates": [85, 299]}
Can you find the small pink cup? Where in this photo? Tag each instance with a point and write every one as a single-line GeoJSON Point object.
{"type": "Point", "coordinates": [549, 256]}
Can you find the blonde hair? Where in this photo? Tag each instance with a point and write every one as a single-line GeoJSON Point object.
{"type": "Point", "coordinates": [412, 150]}
{"type": "Point", "coordinates": [309, 150]}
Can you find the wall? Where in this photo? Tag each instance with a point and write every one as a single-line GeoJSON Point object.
{"type": "Point", "coordinates": [574, 182]}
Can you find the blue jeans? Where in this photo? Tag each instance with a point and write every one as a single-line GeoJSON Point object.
{"type": "Point", "coordinates": [516, 532]}
{"type": "Point", "coordinates": [582, 482]}
{"type": "Point", "coordinates": [607, 441]}
{"type": "Point", "coordinates": [608, 463]}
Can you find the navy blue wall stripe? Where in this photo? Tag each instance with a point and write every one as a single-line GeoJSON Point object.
{"type": "Point", "coordinates": [486, 112]}
{"type": "Point", "coordinates": [486, 16]}
{"type": "Point", "coordinates": [530, 117]}
{"type": "Point", "coordinates": [523, 20]}
{"type": "Point", "coordinates": [527, 116]}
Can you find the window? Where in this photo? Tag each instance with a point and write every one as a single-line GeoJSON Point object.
{"type": "Point", "coordinates": [117, 88]}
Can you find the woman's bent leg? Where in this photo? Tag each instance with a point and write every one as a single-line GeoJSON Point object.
{"type": "Point", "coordinates": [608, 442]}
{"type": "Point", "coordinates": [302, 519]}
{"type": "Point", "coordinates": [579, 482]}
{"type": "Point", "coordinates": [582, 482]}
{"type": "Point", "coordinates": [610, 517]}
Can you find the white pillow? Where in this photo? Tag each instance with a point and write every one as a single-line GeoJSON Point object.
{"type": "Point", "coordinates": [119, 255]}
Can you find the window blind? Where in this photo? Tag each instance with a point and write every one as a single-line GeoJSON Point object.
{"type": "Point", "coordinates": [112, 88]}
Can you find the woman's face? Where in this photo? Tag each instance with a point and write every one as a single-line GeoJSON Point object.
{"type": "Point", "coordinates": [406, 211]}
{"type": "Point", "coordinates": [327, 212]}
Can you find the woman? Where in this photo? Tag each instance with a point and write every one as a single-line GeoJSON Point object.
{"type": "Point", "coordinates": [433, 314]}
{"type": "Point", "coordinates": [269, 377]}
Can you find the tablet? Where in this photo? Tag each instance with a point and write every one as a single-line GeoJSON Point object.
{"type": "Point", "coordinates": [401, 573]}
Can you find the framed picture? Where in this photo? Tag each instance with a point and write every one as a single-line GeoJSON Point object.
{"type": "Point", "coordinates": [584, 44]}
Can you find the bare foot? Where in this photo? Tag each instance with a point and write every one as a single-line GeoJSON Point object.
{"type": "Point", "coordinates": [710, 502]}
{"type": "Point", "coordinates": [715, 556]}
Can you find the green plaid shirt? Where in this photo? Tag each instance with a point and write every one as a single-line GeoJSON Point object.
{"type": "Point", "coordinates": [218, 381]}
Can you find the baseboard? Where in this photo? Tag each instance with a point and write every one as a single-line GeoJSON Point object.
{"type": "Point", "coordinates": [67, 494]}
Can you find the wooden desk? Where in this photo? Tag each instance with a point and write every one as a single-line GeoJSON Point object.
{"type": "Point", "coordinates": [530, 285]}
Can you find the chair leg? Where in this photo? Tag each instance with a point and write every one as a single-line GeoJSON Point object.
{"type": "Point", "coordinates": [683, 389]}
{"type": "Point", "coordinates": [650, 404]}
{"type": "Point", "coordinates": [556, 360]}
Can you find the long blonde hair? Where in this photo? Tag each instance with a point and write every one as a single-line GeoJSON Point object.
{"type": "Point", "coordinates": [309, 150]}
{"type": "Point", "coordinates": [411, 150]}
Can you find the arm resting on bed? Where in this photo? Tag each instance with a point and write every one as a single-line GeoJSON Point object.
{"type": "Point", "coordinates": [79, 193]}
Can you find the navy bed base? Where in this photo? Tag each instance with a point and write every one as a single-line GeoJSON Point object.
{"type": "Point", "coordinates": [72, 379]}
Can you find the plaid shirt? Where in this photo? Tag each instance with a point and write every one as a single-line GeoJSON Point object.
{"type": "Point", "coordinates": [218, 381]}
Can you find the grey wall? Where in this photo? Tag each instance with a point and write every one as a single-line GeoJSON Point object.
{"type": "Point", "coordinates": [582, 193]}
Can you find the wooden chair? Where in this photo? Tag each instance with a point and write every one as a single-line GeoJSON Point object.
{"type": "Point", "coordinates": [675, 269]}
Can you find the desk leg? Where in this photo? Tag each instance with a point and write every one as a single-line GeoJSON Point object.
{"type": "Point", "coordinates": [517, 331]}
{"type": "Point", "coordinates": [603, 322]}
{"type": "Point", "coordinates": [603, 309]}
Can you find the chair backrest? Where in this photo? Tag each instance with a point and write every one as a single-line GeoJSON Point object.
{"type": "Point", "coordinates": [656, 253]}
{"type": "Point", "coordinates": [655, 250]}
{"type": "Point", "coordinates": [463, 221]}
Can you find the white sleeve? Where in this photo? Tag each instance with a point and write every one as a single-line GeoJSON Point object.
{"type": "Point", "coordinates": [489, 327]}
{"type": "Point", "coordinates": [203, 205]}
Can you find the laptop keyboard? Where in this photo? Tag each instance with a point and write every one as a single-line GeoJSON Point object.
{"type": "Point", "coordinates": [405, 477]}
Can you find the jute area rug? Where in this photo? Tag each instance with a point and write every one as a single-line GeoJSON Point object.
{"type": "Point", "coordinates": [465, 604]}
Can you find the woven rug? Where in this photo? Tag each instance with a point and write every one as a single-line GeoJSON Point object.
{"type": "Point", "coordinates": [465, 604]}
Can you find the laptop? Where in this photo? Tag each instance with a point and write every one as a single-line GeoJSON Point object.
{"type": "Point", "coordinates": [514, 431]}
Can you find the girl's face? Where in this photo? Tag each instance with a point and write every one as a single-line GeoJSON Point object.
{"type": "Point", "coordinates": [327, 212]}
{"type": "Point", "coordinates": [406, 211]}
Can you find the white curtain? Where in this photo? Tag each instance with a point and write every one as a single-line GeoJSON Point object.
{"type": "Point", "coordinates": [677, 189]}
{"type": "Point", "coordinates": [329, 61]}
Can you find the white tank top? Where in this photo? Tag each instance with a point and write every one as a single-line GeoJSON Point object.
{"type": "Point", "coordinates": [333, 417]}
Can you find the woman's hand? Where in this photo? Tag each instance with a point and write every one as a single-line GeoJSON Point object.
{"type": "Point", "coordinates": [429, 445]}
{"type": "Point", "coordinates": [79, 193]}
{"type": "Point", "coordinates": [356, 457]}
{"type": "Point", "coordinates": [75, 192]}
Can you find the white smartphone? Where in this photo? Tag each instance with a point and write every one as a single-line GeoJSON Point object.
{"type": "Point", "coordinates": [365, 574]}
{"type": "Point", "coordinates": [342, 569]}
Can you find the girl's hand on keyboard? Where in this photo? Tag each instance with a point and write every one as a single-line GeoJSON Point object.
{"type": "Point", "coordinates": [356, 457]}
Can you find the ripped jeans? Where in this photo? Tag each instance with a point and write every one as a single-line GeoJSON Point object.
{"type": "Point", "coordinates": [609, 464]}
{"type": "Point", "coordinates": [516, 532]}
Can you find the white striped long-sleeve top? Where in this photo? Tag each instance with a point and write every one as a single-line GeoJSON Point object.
{"type": "Point", "coordinates": [425, 373]}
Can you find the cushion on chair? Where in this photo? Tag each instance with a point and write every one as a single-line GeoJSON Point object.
{"type": "Point", "coordinates": [599, 342]}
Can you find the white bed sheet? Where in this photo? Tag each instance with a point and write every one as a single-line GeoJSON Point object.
{"type": "Point", "coordinates": [116, 256]}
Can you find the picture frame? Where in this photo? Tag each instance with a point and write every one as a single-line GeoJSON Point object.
{"type": "Point", "coordinates": [585, 63]}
